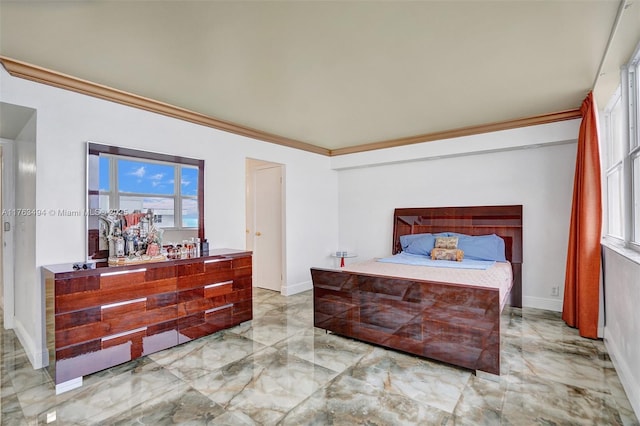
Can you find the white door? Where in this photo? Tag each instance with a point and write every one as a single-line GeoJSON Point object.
{"type": "Point", "coordinates": [267, 244]}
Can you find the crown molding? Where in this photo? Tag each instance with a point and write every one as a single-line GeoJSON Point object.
{"type": "Point", "coordinates": [463, 131]}
{"type": "Point", "coordinates": [53, 78]}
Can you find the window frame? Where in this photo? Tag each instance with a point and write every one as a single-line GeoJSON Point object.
{"type": "Point", "coordinates": [633, 87]}
{"type": "Point", "coordinates": [628, 94]}
{"type": "Point", "coordinates": [614, 165]}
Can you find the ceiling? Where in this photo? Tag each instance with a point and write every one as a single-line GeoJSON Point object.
{"type": "Point", "coordinates": [336, 74]}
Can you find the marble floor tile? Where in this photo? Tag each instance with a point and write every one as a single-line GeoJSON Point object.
{"type": "Point", "coordinates": [182, 406]}
{"type": "Point", "coordinates": [325, 349]}
{"type": "Point", "coordinates": [264, 386]}
{"type": "Point", "coordinates": [350, 401]}
{"type": "Point", "coordinates": [428, 382]}
{"type": "Point", "coordinates": [482, 394]}
{"type": "Point", "coordinates": [279, 370]}
{"type": "Point", "coordinates": [260, 309]}
{"type": "Point", "coordinates": [11, 413]}
{"type": "Point", "coordinates": [106, 398]}
{"type": "Point", "coordinates": [21, 374]}
{"type": "Point", "coordinates": [466, 415]}
{"type": "Point", "coordinates": [207, 354]}
{"type": "Point", "coordinates": [261, 295]}
{"type": "Point", "coordinates": [533, 400]}
{"type": "Point", "coordinates": [272, 327]}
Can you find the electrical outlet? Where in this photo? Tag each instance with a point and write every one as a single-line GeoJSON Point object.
{"type": "Point", "coordinates": [555, 291]}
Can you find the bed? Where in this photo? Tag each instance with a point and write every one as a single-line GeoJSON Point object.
{"type": "Point", "coordinates": [453, 322]}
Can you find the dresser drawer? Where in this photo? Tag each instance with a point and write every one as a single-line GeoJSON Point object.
{"type": "Point", "coordinates": [205, 322]}
{"type": "Point", "coordinates": [211, 265]}
{"type": "Point", "coordinates": [242, 262]}
{"type": "Point", "coordinates": [95, 323]}
{"type": "Point", "coordinates": [218, 289]}
{"type": "Point", "coordinates": [114, 287]}
{"type": "Point", "coordinates": [205, 278]}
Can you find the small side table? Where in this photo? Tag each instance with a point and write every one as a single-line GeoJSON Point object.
{"type": "Point", "coordinates": [342, 255]}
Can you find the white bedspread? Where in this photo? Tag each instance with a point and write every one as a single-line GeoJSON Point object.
{"type": "Point", "coordinates": [499, 276]}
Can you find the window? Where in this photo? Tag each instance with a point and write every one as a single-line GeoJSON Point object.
{"type": "Point", "coordinates": [170, 190]}
{"type": "Point", "coordinates": [621, 147]}
{"type": "Point", "coordinates": [634, 139]}
{"type": "Point", "coordinates": [614, 167]}
{"type": "Point", "coordinates": [636, 199]}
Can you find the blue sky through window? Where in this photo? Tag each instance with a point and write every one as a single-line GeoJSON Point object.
{"type": "Point", "coordinates": [189, 181]}
{"type": "Point", "coordinates": [104, 173]}
{"type": "Point", "coordinates": [145, 178]}
{"type": "Point", "coordinates": [148, 178]}
{"type": "Point", "coordinates": [141, 177]}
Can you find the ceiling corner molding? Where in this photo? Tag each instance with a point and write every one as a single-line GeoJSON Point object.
{"type": "Point", "coordinates": [464, 131]}
{"type": "Point", "coordinates": [38, 74]}
{"type": "Point", "coordinates": [52, 78]}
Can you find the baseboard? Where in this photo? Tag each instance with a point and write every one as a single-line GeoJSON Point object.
{"type": "Point", "coordinates": [542, 303]}
{"type": "Point", "coordinates": [292, 289]}
{"type": "Point", "coordinates": [624, 373]}
{"type": "Point", "coordinates": [68, 385]}
{"type": "Point", "coordinates": [36, 356]}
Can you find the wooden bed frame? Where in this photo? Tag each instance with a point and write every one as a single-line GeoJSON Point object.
{"type": "Point", "coordinates": [454, 323]}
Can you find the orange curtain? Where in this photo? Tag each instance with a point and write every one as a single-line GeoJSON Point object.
{"type": "Point", "coordinates": [582, 280]}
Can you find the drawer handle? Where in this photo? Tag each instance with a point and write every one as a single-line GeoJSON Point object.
{"type": "Point", "coordinates": [215, 260]}
{"type": "Point", "coordinates": [219, 308]}
{"type": "Point", "coordinates": [218, 284]}
{"type": "Point", "coordinates": [132, 271]}
{"type": "Point", "coordinates": [126, 302]}
{"type": "Point", "coordinates": [124, 333]}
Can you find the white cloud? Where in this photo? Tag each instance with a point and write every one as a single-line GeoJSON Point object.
{"type": "Point", "coordinates": [138, 172]}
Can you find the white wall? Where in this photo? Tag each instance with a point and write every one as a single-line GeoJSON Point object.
{"type": "Point", "coordinates": [66, 120]}
{"type": "Point", "coordinates": [622, 325]}
{"type": "Point", "coordinates": [540, 178]}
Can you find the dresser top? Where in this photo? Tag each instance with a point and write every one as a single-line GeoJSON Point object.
{"type": "Point", "coordinates": [61, 270]}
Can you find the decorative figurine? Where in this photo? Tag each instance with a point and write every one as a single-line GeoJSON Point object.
{"type": "Point", "coordinates": [132, 238]}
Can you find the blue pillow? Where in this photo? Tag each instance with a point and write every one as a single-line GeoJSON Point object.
{"type": "Point", "coordinates": [405, 240]}
{"type": "Point", "coordinates": [450, 234]}
{"type": "Point", "coordinates": [482, 247]}
{"type": "Point", "coordinates": [422, 245]}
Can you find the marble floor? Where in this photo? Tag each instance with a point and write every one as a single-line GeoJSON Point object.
{"type": "Point", "coordinates": [279, 370]}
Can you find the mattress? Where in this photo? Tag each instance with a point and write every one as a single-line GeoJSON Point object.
{"type": "Point", "coordinates": [499, 275]}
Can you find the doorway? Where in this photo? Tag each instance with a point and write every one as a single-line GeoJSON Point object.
{"type": "Point", "coordinates": [7, 204]}
{"type": "Point", "coordinates": [265, 224]}
{"type": "Point", "coordinates": [7, 191]}
{"type": "Point", "coordinates": [17, 126]}
{"type": "Point", "coordinates": [1, 235]}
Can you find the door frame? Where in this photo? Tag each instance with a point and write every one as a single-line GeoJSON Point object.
{"type": "Point", "coordinates": [251, 166]}
{"type": "Point", "coordinates": [7, 259]}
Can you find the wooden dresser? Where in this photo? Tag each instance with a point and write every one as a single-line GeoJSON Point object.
{"type": "Point", "coordinates": [102, 317]}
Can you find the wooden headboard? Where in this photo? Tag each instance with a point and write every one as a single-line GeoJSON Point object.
{"type": "Point", "coordinates": [504, 221]}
